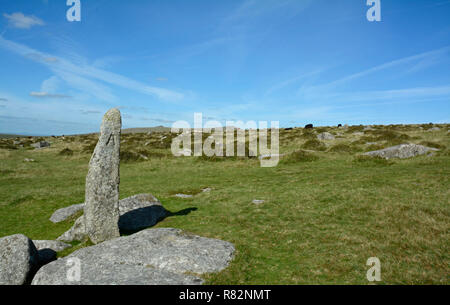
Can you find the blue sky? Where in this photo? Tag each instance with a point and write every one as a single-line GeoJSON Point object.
{"type": "Point", "coordinates": [293, 61]}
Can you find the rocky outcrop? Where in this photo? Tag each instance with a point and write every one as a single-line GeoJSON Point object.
{"type": "Point", "coordinates": [401, 151]}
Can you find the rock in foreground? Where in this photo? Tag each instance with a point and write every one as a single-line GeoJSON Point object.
{"type": "Point", "coordinates": [19, 259]}
{"type": "Point", "coordinates": [153, 256]}
{"type": "Point", "coordinates": [401, 151]}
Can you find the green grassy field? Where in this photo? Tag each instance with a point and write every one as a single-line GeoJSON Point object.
{"type": "Point", "coordinates": [326, 210]}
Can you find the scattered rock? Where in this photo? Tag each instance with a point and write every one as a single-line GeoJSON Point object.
{"type": "Point", "coordinates": [269, 156]}
{"type": "Point", "coordinates": [401, 151]}
{"type": "Point", "coordinates": [258, 202]}
{"type": "Point", "coordinates": [40, 144]}
{"type": "Point", "coordinates": [28, 160]}
{"type": "Point", "coordinates": [325, 136]}
{"type": "Point", "coordinates": [206, 190]}
{"type": "Point", "coordinates": [64, 213]}
{"type": "Point", "coordinates": [183, 196]}
{"type": "Point", "coordinates": [101, 212]}
{"type": "Point", "coordinates": [19, 259]}
{"type": "Point", "coordinates": [358, 134]}
{"type": "Point", "coordinates": [154, 256]}
{"type": "Point", "coordinates": [434, 129]}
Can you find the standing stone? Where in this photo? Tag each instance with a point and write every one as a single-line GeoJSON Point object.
{"type": "Point", "coordinates": [101, 211]}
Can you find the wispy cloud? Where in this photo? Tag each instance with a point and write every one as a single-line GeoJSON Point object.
{"type": "Point", "coordinates": [422, 60]}
{"type": "Point", "coordinates": [47, 95]}
{"type": "Point", "coordinates": [3, 99]}
{"type": "Point", "coordinates": [82, 76]}
{"type": "Point", "coordinates": [86, 112]}
{"type": "Point", "coordinates": [20, 21]}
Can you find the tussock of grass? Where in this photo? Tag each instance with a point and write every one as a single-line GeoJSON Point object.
{"type": "Point", "coordinates": [66, 152]}
{"type": "Point", "coordinates": [298, 156]}
{"type": "Point", "coordinates": [372, 161]}
{"type": "Point", "coordinates": [432, 144]}
{"type": "Point", "coordinates": [374, 147]}
{"type": "Point", "coordinates": [127, 156]}
{"type": "Point", "coordinates": [89, 149]}
{"type": "Point", "coordinates": [314, 144]}
{"type": "Point", "coordinates": [344, 148]}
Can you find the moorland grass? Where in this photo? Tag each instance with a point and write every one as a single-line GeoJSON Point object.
{"type": "Point", "coordinates": [319, 224]}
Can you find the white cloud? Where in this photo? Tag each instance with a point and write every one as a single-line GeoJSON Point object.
{"type": "Point", "coordinates": [20, 21]}
{"type": "Point", "coordinates": [82, 76]}
{"type": "Point", "coordinates": [47, 95]}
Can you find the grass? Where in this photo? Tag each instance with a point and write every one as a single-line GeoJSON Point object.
{"type": "Point", "coordinates": [324, 214]}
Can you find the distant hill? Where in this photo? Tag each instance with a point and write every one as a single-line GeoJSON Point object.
{"type": "Point", "coordinates": [146, 129]}
{"type": "Point", "coordinates": [9, 136]}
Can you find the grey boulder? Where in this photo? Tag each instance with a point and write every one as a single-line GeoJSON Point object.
{"type": "Point", "coordinates": [153, 256]}
{"type": "Point", "coordinates": [40, 144]}
{"type": "Point", "coordinates": [325, 136]}
{"type": "Point", "coordinates": [64, 213]}
{"type": "Point", "coordinates": [401, 151]}
{"type": "Point", "coordinates": [19, 259]}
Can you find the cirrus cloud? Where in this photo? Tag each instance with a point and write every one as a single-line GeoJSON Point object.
{"type": "Point", "coordinates": [20, 21]}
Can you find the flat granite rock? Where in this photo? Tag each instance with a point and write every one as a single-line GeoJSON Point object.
{"type": "Point", "coordinates": [153, 256]}
{"type": "Point", "coordinates": [64, 213]}
{"type": "Point", "coordinates": [51, 244]}
{"type": "Point", "coordinates": [401, 151]}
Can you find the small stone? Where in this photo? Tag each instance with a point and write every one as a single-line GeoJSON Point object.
{"type": "Point", "coordinates": [258, 202]}
{"type": "Point", "coordinates": [183, 196]}
{"type": "Point", "coordinates": [325, 136]}
{"type": "Point", "coordinates": [40, 144]}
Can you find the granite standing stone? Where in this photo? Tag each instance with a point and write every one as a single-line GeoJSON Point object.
{"type": "Point", "coordinates": [102, 182]}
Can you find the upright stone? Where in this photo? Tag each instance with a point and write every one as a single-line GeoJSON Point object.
{"type": "Point", "coordinates": [101, 211]}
